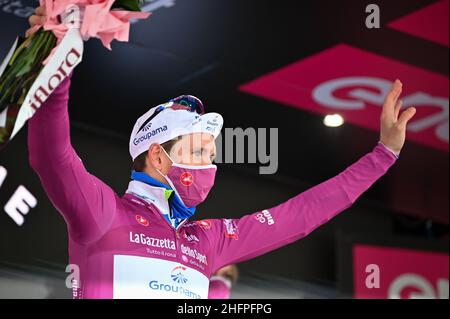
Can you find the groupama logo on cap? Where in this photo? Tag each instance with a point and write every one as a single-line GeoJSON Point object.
{"type": "Point", "coordinates": [160, 124]}
{"type": "Point", "coordinates": [147, 127]}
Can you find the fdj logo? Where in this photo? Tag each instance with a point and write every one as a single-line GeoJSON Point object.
{"type": "Point", "coordinates": [177, 275]}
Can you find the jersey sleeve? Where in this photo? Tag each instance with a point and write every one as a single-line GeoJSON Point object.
{"type": "Point", "coordinates": [238, 240]}
{"type": "Point", "coordinates": [86, 203]}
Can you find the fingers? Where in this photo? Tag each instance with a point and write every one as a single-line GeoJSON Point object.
{"type": "Point", "coordinates": [40, 11]}
{"type": "Point", "coordinates": [34, 19]}
{"type": "Point", "coordinates": [398, 107]}
{"type": "Point", "coordinates": [391, 99]}
{"type": "Point", "coordinates": [38, 18]}
{"type": "Point", "coordinates": [397, 87]}
{"type": "Point", "coordinates": [30, 31]}
{"type": "Point", "coordinates": [406, 116]}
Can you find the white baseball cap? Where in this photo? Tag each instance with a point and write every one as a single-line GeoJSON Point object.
{"type": "Point", "coordinates": [181, 116]}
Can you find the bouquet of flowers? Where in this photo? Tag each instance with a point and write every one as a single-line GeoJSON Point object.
{"type": "Point", "coordinates": [36, 64]}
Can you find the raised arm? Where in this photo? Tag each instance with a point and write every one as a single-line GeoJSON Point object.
{"type": "Point", "coordinates": [237, 240]}
{"type": "Point", "coordinates": [86, 203]}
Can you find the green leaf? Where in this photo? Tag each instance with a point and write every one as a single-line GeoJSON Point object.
{"type": "Point", "coordinates": [21, 48]}
{"type": "Point", "coordinates": [25, 67]}
{"type": "Point", "coordinates": [130, 5]}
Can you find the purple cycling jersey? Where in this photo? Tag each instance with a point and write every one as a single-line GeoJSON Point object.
{"type": "Point", "coordinates": [126, 248]}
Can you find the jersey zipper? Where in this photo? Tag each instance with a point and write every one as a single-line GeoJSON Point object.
{"type": "Point", "coordinates": [177, 234]}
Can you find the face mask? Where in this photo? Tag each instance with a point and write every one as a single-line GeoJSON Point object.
{"type": "Point", "coordinates": [219, 288]}
{"type": "Point", "coordinates": [192, 183]}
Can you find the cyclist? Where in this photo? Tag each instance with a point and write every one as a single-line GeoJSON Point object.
{"type": "Point", "coordinates": [144, 244]}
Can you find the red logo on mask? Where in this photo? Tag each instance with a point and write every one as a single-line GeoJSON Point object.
{"type": "Point", "coordinates": [186, 179]}
{"type": "Point", "coordinates": [142, 220]}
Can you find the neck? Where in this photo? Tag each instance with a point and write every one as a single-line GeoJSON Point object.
{"type": "Point", "coordinates": [156, 175]}
{"type": "Point", "coordinates": [148, 179]}
{"type": "Point", "coordinates": [170, 204]}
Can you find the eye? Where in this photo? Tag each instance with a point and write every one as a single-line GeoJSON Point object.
{"type": "Point", "coordinates": [197, 153]}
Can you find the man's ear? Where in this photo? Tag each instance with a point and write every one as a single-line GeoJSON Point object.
{"type": "Point", "coordinates": [154, 156]}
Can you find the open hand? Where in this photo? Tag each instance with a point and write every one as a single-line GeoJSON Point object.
{"type": "Point", "coordinates": [393, 126]}
{"type": "Point", "coordinates": [38, 17]}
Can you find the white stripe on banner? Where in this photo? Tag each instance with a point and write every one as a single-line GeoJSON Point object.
{"type": "Point", "coordinates": [67, 57]}
{"type": "Point", "coordinates": [3, 117]}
